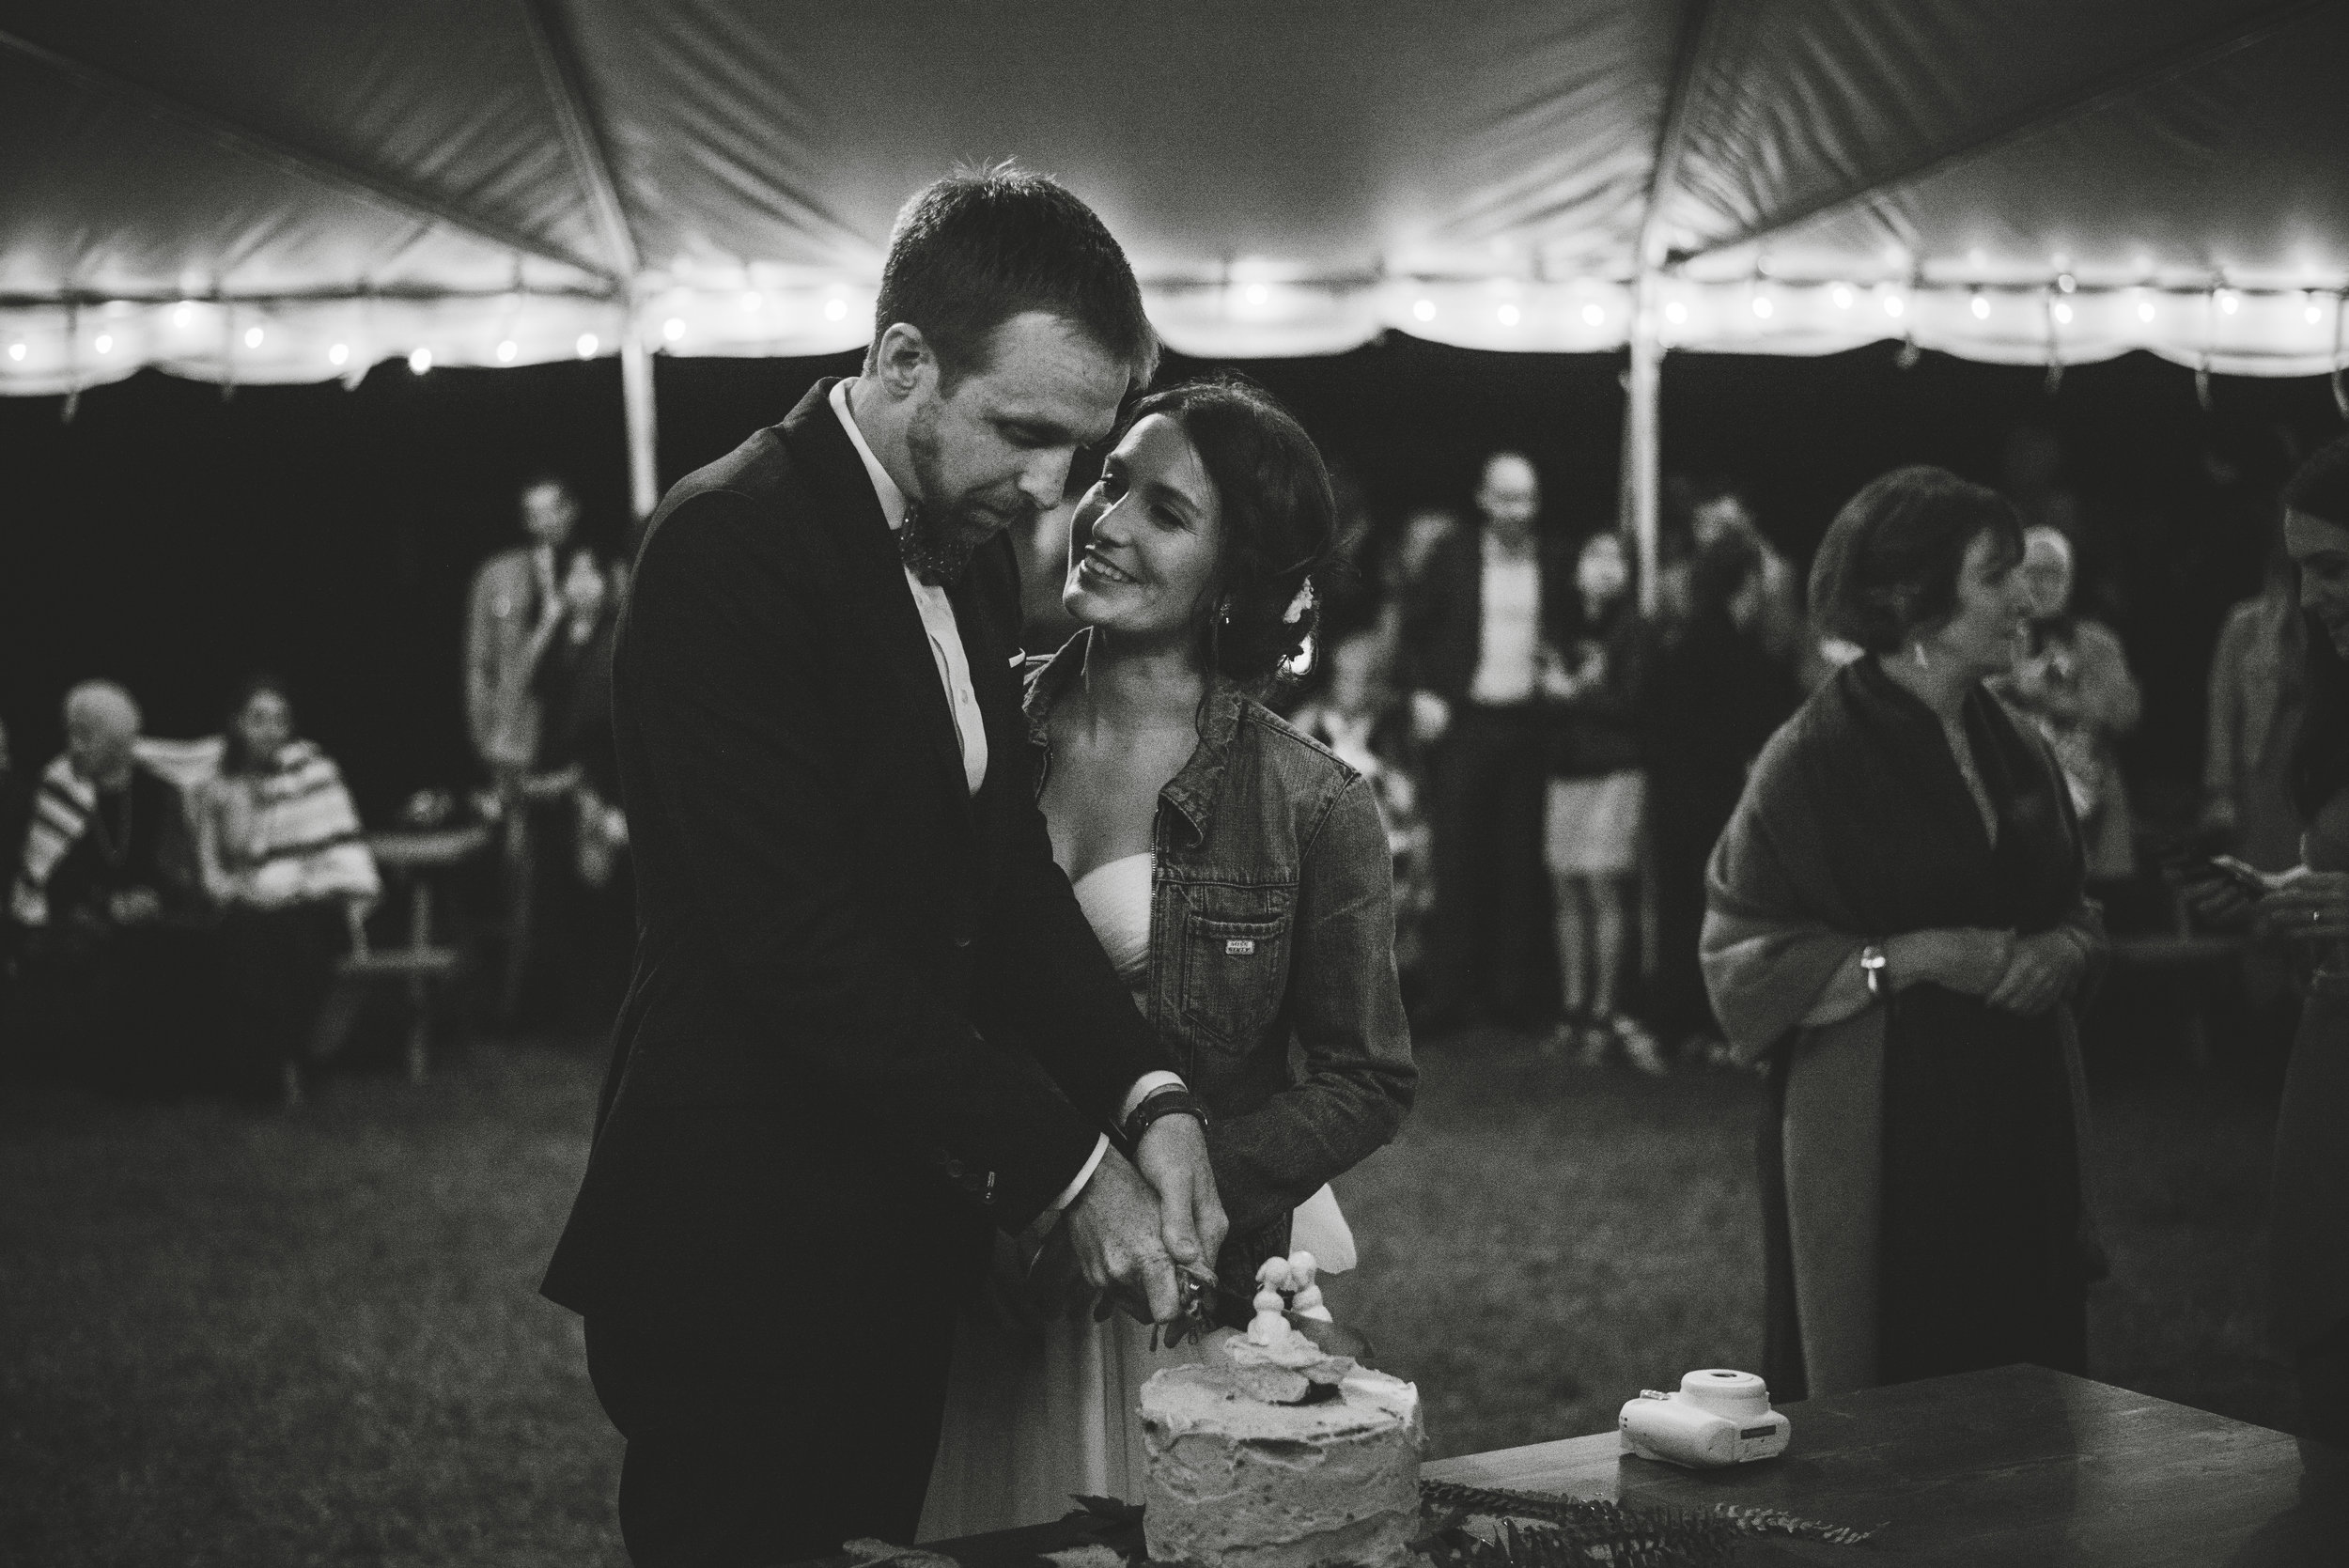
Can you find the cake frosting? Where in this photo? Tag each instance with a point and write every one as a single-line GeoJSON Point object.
{"type": "Point", "coordinates": [1236, 1480]}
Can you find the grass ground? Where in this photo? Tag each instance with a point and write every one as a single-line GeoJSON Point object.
{"type": "Point", "coordinates": [238, 1338]}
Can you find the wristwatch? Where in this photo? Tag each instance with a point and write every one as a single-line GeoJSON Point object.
{"type": "Point", "coordinates": [1170, 1101]}
{"type": "Point", "coordinates": [1872, 965]}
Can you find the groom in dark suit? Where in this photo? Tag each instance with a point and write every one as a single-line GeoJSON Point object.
{"type": "Point", "coordinates": [867, 1022]}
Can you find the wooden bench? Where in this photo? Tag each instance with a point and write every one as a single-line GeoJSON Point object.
{"type": "Point", "coordinates": [410, 860]}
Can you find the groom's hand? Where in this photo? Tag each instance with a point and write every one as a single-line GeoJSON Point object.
{"type": "Point", "coordinates": [1120, 1244]}
{"type": "Point", "coordinates": [1173, 1156]}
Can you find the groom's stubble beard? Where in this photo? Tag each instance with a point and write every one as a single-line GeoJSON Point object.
{"type": "Point", "coordinates": [938, 540]}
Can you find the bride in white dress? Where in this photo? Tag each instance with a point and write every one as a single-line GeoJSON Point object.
{"type": "Point", "coordinates": [1238, 876]}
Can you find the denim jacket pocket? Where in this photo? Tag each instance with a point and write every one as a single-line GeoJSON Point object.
{"type": "Point", "coordinates": [1234, 962]}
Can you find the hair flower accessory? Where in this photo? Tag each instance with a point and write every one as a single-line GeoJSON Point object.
{"type": "Point", "coordinates": [1297, 606]}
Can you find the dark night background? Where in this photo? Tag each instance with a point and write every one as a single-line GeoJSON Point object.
{"type": "Point", "coordinates": [176, 539]}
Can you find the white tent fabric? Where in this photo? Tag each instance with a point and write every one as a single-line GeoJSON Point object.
{"type": "Point", "coordinates": [276, 191]}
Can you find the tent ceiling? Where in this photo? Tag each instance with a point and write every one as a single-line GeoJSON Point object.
{"type": "Point", "coordinates": [331, 185]}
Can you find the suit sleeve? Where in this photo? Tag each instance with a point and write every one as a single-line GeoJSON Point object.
{"type": "Point", "coordinates": [1040, 973]}
{"type": "Point", "coordinates": [721, 670]}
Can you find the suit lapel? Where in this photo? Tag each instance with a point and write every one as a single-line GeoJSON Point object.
{"type": "Point", "coordinates": [901, 642]}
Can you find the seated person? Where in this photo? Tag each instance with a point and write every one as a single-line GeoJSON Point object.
{"type": "Point", "coordinates": [117, 964]}
{"type": "Point", "coordinates": [277, 842]}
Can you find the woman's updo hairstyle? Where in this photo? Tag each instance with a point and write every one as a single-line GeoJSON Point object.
{"type": "Point", "coordinates": [1280, 519]}
{"type": "Point", "coordinates": [1889, 567]}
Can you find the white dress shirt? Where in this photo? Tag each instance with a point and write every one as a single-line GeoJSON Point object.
{"type": "Point", "coordinates": [1509, 631]}
{"type": "Point", "coordinates": [954, 674]}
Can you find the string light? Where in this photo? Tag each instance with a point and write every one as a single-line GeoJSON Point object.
{"type": "Point", "coordinates": [184, 313]}
{"type": "Point", "coordinates": [836, 310]}
{"type": "Point", "coordinates": [506, 351]}
{"type": "Point", "coordinates": [1424, 310]}
{"type": "Point", "coordinates": [1762, 306]}
{"type": "Point", "coordinates": [105, 344]}
{"type": "Point", "coordinates": [2311, 312]}
{"type": "Point", "coordinates": [1842, 295]}
{"type": "Point", "coordinates": [1979, 306]}
{"type": "Point", "coordinates": [2145, 311]}
{"type": "Point", "coordinates": [1508, 315]}
{"type": "Point", "coordinates": [2066, 283]}
{"type": "Point", "coordinates": [1256, 293]}
{"type": "Point", "coordinates": [1676, 313]}
{"type": "Point", "coordinates": [1895, 305]}
{"type": "Point", "coordinates": [16, 350]}
{"type": "Point", "coordinates": [2228, 301]}
{"type": "Point", "coordinates": [419, 360]}
{"type": "Point", "coordinates": [338, 353]}
{"type": "Point", "coordinates": [1593, 316]}
{"type": "Point", "coordinates": [587, 345]}
{"type": "Point", "coordinates": [673, 329]}
{"type": "Point", "coordinates": [253, 336]}
{"type": "Point", "coordinates": [2063, 312]}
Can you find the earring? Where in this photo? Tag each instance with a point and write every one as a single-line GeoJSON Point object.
{"type": "Point", "coordinates": [1919, 649]}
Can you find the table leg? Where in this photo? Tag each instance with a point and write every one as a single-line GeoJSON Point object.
{"type": "Point", "coordinates": [419, 989]}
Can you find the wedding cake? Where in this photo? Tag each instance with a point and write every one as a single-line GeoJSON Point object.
{"type": "Point", "coordinates": [1272, 1454]}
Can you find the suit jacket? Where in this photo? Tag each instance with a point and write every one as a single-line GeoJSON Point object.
{"type": "Point", "coordinates": [836, 942]}
{"type": "Point", "coordinates": [1443, 617]}
{"type": "Point", "coordinates": [501, 711]}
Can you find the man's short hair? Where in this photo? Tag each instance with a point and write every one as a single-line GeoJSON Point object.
{"type": "Point", "coordinates": [976, 249]}
{"type": "Point", "coordinates": [102, 702]}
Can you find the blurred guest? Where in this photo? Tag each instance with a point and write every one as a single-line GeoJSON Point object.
{"type": "Point", "coordinates": [2031, 473]}
{"type": "Point", "coordinates": [117, 967]}
{"type": "Point", "coordinates": [1896, 920]}
{"type": "Point", "coordinates": [517, 597]}
{"type": "Point", "coordinates": [16, 804]}
{"type": "Point", "coordinates": [2072, 680]}
{"type": "Point", "coordinates": [1597, 801]}
{"type": "Point", "coordinates": [1712, 699]}
{"type": "Point", "coordinates": [571, 958]}
{"type": "Point", "coordinates": [2255, 702]}
{"type": "Point", "coordinates": [278, 843]}
{"type": "Point", "coordinates": [1360, 718]}
{"type": "Point", "coordinates": [1473, 638]}
{"type": "Point", "coordinates": [2307, 1221]}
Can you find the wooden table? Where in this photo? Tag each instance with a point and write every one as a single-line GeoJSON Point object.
{"type": "Point", "coordinates": [2012, 1468]}
{"type": "Point", "coordinates": [2019, 1466]}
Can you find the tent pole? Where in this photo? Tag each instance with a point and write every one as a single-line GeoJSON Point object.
{"type": "Point", "coordinates": [1643, 440]}
{"type": "Point", "coordinates": [636, 397]}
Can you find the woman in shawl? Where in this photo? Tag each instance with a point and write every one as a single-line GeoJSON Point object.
{"type": "Point", "coordinates": [1894, 918]}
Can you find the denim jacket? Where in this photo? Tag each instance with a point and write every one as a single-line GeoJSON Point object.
{"type": "Point", "coordinates": [1271, 978]}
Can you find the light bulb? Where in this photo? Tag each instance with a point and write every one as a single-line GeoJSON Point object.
{"type": "Point", "coordinates": [587, 345]}
{"type": "Point", "coordinates": [1981, 307]}
{"type": "Point", "coordinates": [673, 329]}
{"type": "Point", "coordinates": [2312, 313]}
{"type": "Point", "coordinates": [251, 337]}
{"type": "Point", "coordinates": [1895, 305]}
{"type": "Point", "coordinates": [1676, 313]}
{"type": "Point", "coordinates": [105, 344]}
{"type": "Point", "coordinates": [1424, 310]}
{"type": "Point", "coordinates": [1593, 316]}
{"type": "Point", "coordinates": [1508, 315]}
{"type": "Point", "coordinates": [506, 351]}
{"type": "Point", "coordinates": [419, 361]}
{"type": "Point", "coordinates": [1257, 293]}
{"type": "Point", "coordinates": [338, 353]}
{"type": "Point", "coordinates": [2145, 310]}
{"type": "Point", "coordinates": [2066, 282]}
{"type": "Point", "coordinates": [1841, 294]}
{"type": "Point", "coordinates": [1762, 306]}
{"type": "Point", "coordinates": [2230, 301]}
{"type": "Point", "coordinates": [836, 310]}
{"type": "Point", "coordinates": [16, 350]}
{"type": "Point", "coordinates": [184, 313]}
{"type": "Point", "coordinates": [2063, 311]}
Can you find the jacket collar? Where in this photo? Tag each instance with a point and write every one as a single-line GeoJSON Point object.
{"type": "Point", "coordinates": [1193, 790]}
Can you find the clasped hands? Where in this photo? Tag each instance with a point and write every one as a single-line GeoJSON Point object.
{"type": "Point", "coordinates": [1134, 1224]}
{"type": "Point", "coordinates": [2311, 906]}
{"type": "Point", "coordinates": [2024, 975]}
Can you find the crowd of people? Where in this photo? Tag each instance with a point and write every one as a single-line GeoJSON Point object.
{"type": "Point", "coordinates": [178, 910]}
